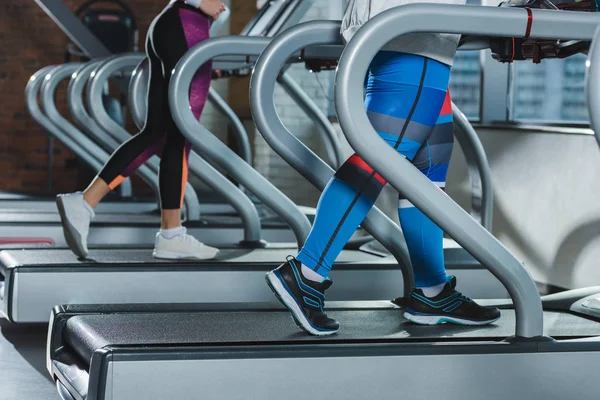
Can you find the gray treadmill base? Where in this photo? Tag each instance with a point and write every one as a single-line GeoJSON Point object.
{"type": "Point", "coordinates": [37, 280]}
{"type": "Point", "coordinates": [376, 355]}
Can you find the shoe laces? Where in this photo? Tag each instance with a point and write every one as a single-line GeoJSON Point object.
{"type": "Point", "coordinates": [189, 239]}
{"type": "Point", "coordinates": [463, 297]}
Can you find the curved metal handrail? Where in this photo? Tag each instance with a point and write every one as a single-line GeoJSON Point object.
{"type": "Point", "coordinates": [480, 173]}
{"type": "Point", "coordinates": [294, 152]}
{"type": "Point", "coordinates": [211, 147]}
{"type": "Point", "coordinates": [592, 84]}
{"type": "Point", "coordinates": [32, 89]}
{"type": "Point", "coordinates": [199, 167]}
{"type": "Point", "coordinates": [475, 20]}
{"type": "Point", "coordinates": [94, 153]}
{"type": "Point", "coordinates": [333, 145]}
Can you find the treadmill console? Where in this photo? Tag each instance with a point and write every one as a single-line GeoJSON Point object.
{"type": "Point", "coordinates": [511, 49]}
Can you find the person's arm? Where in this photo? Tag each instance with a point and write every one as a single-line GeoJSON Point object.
{"type": "Point", "coordinates": [212, 8]}
{"type": "Point", "coordinates": [193, 3]}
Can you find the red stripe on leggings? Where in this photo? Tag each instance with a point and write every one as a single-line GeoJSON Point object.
{"type": "Point", "coordinates": [356, 160]}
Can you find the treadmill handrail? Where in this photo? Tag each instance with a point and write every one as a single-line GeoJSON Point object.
{"type": "Point", "coordinates": [480, 173]}
{"type": "Point", "coordinates": [592, 84]}
{"type": "Point", "coordinates": [205, 172]}
{"type": "Point", "coordinates": [331, 141]}
{"type": "Point", "coordinates": [294, 152]}
{"type": "Point", "coordinates": [75, 100]}
{"type": "Point", "coordinates": [211, 147]}
{"type": "Point", "coordinates": [97, 155]}
{"type": "Point", "coordinates": [475, 20]}
{"type": "Point", "coordinates": [32, 89]}
{"type": "Point", "coordinates": [95, 91]}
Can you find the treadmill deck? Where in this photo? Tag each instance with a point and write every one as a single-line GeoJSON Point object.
{"type": "Point", "coordinates": [87, 333]}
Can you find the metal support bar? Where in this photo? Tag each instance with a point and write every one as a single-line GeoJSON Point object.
{"type": "Point", "coordinates": [329, 136]}
{"type": "Point", "coordinates": [592, 86]}
{"type": "Point", "coordinates": [480, 174]}
{"type": "Point", "coordinates": [73, 28]}
{"type": "Point", "coordinates": [31, 100]}
{"type": "Point", "coordinates": [93, 154]}
{"type": "Point", "coordinates": [300, 157]}
{"type": "Point", "coordinates": [211, 147]}
{"type": "Point", "coordinates": [471, 20]}
{"type": "Point", "coordinates": [239, 131]}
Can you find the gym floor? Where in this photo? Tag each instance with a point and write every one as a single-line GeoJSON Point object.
{"type": "Point", "coordinates": [23, 373]}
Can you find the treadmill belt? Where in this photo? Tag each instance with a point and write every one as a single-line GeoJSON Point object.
{"type": "Point", "coordinates": [140, 257]}
{"type": "Point", "coordinates": [86, 333]}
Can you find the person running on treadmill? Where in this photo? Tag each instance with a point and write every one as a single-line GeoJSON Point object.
{"type": "Point", "coordinates": [409, 105]}
{"type": "Point", "coordinates": [177, 28]}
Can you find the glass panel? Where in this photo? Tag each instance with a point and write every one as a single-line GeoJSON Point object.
{"type": "Point", "coordinates": [553, 91]}
{"type": "Point", "coordinates": [465, 82]}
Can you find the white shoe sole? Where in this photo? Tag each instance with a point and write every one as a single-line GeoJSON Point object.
{"type": "Point", "coordinates": [71, 234]}
{"type": "Point", "coordinates": [287, 300]}
{"type": "Point", "coordinates": [439, 319]}
{"type": "Point", "coordinates": [167, 255]}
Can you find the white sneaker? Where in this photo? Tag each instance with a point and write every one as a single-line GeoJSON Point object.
{"type": "Point", "coordinates": [76, 220]}
{"type": "Point", "coordinates": [182, 246]}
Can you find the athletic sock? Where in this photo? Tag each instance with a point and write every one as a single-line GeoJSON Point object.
{"type": "Point", "coordinates": [311, 275]}
{"type": "Point", "coordinates": [432, 291]}
{"type": "Point", "coordinates": [171, 233]}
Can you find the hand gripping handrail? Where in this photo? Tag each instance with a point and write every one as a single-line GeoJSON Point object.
{"type": "Point", "coordinates": [474, 20]}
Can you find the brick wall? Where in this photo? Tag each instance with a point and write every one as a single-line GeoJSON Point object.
{"type": "Point", "coordinates": [29, 40]}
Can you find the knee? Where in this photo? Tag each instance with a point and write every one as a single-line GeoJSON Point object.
{"type": "Point", "coordinates": [359, 175]}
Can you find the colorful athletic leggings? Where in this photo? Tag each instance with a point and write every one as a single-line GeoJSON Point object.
{"type": "Point", "coordinates": [409, 106]}
{"type": "Point", "coordinates": [171, 34]}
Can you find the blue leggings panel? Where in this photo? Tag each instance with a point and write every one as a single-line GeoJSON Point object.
{"type": "Point", "coordinates": [405, 95]}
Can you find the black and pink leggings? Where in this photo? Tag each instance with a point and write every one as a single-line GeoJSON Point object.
{"type": "Point", "coordinates": [171, 34]}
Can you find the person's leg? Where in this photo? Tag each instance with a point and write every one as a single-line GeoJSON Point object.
{"type": "Point", "coordinates": [77, 209]}
{"type": "Point", "coordinates": [178, 31]}
{"type": "Point", "coordinates": [435, 299]}
{"type": "Point", "coordinates": [402, 103]}
{"type": "Point", "coordinates": [423, 237]}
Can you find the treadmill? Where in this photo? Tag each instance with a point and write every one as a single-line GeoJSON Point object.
{"type": "Point", "coordinates": [542, 348]}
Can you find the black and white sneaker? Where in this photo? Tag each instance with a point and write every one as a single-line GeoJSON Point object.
{"type": "Point", "coordinates": [449, 306]}
{"type": "Point", "coordinates": [304, 298]}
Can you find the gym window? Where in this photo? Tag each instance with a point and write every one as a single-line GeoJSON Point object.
{"type": "Point", "coordinates": [550, 92]}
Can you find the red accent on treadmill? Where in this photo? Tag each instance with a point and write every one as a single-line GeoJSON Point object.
{"type": "Point", "coordinates": [26, 240]}
{"type": "Point", "coordinates": [529, 23]}
{"type": "Point", "coordinates": [359, 162]}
